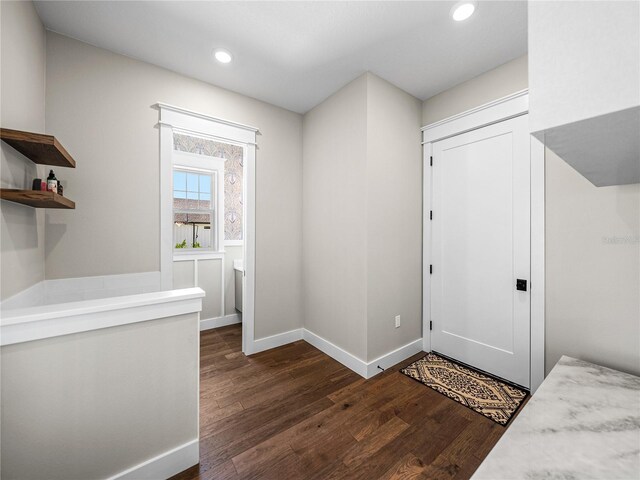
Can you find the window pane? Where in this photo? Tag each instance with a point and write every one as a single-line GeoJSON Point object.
{"type": "Point", "coordinates": [179, 200]}
{"type": "Point", "coordinates": [192, 182]}
{"type": "Point", "coordinates": [205, 184]}
{"type": "Point", "coordinates": [193, 203]}
{"type": "Point", "coordinates": [179, 180]}
{"type": "Point", "coordinates": [191, 230]}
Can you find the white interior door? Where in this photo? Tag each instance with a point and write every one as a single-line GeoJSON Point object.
{"type": "Point", "coordinates": [480, 247]}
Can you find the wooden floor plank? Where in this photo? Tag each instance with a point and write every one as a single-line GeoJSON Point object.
{"type": "Point", "coordinates": [210, 414]}
{"type": "Point", "coordinates": [295, 413]}
{"type": "Point", "coordinates": [408, 467]}
{"type": "Point", "coordinates": [253, 462]}
{"type": "Point", "coordinates": [374, 442]}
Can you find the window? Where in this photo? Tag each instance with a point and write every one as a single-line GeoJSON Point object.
{"type": "Point", "coordinates": [233, 156]}
{"type": "Point", "coordinates": [194, 209]}
{"type": "Point", "coordinates": [198, 203]}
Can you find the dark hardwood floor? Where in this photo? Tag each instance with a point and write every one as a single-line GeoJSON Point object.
{"type": "Point", "coordinates": [295, 413]}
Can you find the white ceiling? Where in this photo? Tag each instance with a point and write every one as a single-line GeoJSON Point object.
{"type": "Point", "coordinates": [295, 54]}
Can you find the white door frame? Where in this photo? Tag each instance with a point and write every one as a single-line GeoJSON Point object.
{"type": "Point", "coordinates": [198, 124]}
{"type": "Point", "coordinates": [499, 110]}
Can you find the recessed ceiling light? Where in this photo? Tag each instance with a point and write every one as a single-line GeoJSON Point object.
{"type": "Point", "coordinates": [222, 56]}
{"type": "Point", "coordinates": [463, 10]}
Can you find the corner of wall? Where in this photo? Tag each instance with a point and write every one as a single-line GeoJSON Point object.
{"type": "Point", "coordinates": [334, 262]}
{"type": "Point", "coordinates": [369, 133]}
{"type": "Point", "coordinates": [394, 184]}
{"type": "Point", "coordinates": [23, 108]}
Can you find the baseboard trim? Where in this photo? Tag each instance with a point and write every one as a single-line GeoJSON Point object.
{"type": "Point", "coordinates": [217, 322]}
{"type": "Point", "coordinates": [394, 357]}
{"type": "Point", "coordinates": [164, 465]}
{"type": "Point", "coordinates": [359, 366]}
{"type": "Point", "coordinates": [347, 359]}
{"type": "Point", "coordinates": [267, 343]}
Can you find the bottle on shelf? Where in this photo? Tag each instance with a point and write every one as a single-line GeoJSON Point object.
{"type": "Point", "coordinates": [52, 182]}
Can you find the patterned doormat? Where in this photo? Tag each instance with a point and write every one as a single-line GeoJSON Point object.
{"type": "Point", "coordinates": [488, 396]}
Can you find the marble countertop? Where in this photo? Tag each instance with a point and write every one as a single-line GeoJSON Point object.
{"type": "Point", "coordinates": [582, 423]}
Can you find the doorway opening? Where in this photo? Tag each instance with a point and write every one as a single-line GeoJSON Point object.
{"type": "Point", "coordinates": [484, 241]}
{"type": "Point", "coordinates": [207, 177]}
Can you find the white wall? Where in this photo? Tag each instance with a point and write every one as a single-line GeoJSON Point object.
{"type": "Point", "coordinates": [394, 217]}
{"type": "Point", "coordinates": [499, 82]}
{"type": "Point", "coordinates": [592, 287]}
{"type": "Point", "coordinates": [585, 60]}
{"type": "Point", "coordinates": [334, 218]}
{"type": "Point", "coordinates": [100, 105]}
{"type": "Point", "coordinates": [22, 107]}
{"type": "Point", "coordinates": [593, 269]}
{"type": "Point", "coordinates": [210, 280]}
{"type": "Point", "coordinates": [93, 404]}
{"type": "Point", "coordinates": [362, 225]}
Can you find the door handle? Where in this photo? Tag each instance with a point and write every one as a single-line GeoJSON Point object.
{"type": "Point", "coordinates": [521, 285]}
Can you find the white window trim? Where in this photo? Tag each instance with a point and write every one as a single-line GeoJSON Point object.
{"type": "Point", "coordinates": [181, 120]}
{"type": "Point", "coordinates": [196, 162]}
{"type": "Point", "coordinates": [233, 243]}
{"type": "Point", "coordinates": [225, 243]}
{"type": "Point", "coordinates": [186, 257]}
{"type": "Point", "coordinates": [493, 112]}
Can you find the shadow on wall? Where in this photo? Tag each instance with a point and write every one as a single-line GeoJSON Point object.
{"type": "Point", "coordinates": [55, 232]}
{"type": "Point", "coordinates": [626, 200]}
{"type": "Point", "coordinates": [592, 269]}
{"type": "Point", "coordinates": [19, 225]}
{"type": "Point", "coordinates": [25, 217]}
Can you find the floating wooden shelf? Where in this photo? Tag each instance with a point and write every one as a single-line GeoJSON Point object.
{"type": "Point", "coordinates": [36, 198]}
{"type": "Point", "coordinates": [39, 148]}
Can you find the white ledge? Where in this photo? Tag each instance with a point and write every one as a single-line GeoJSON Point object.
{"type": "Point", "coordinates": [204, 116]}
{"type": "Point", "coordinates": [497, 110]}
{"type": "Point", "coordinates": [45, 321]}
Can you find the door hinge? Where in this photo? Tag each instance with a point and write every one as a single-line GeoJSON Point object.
{"type": "Point", "coordinates": [430, 269]}
{"type": "Point", "coordinates": [430, 214]}
{"type": "Point", "coordinates": [430, 324]}
{"type": "Point", "coordinates": [431, 161]}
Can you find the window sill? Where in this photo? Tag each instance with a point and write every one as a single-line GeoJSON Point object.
{"type": "Point", "coordinates": [233, 243]}
{"type": "Point", "coordinates": [189, 256]}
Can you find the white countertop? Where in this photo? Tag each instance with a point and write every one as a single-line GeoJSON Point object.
{"type": "Point", "coordinates": [582, 423]}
